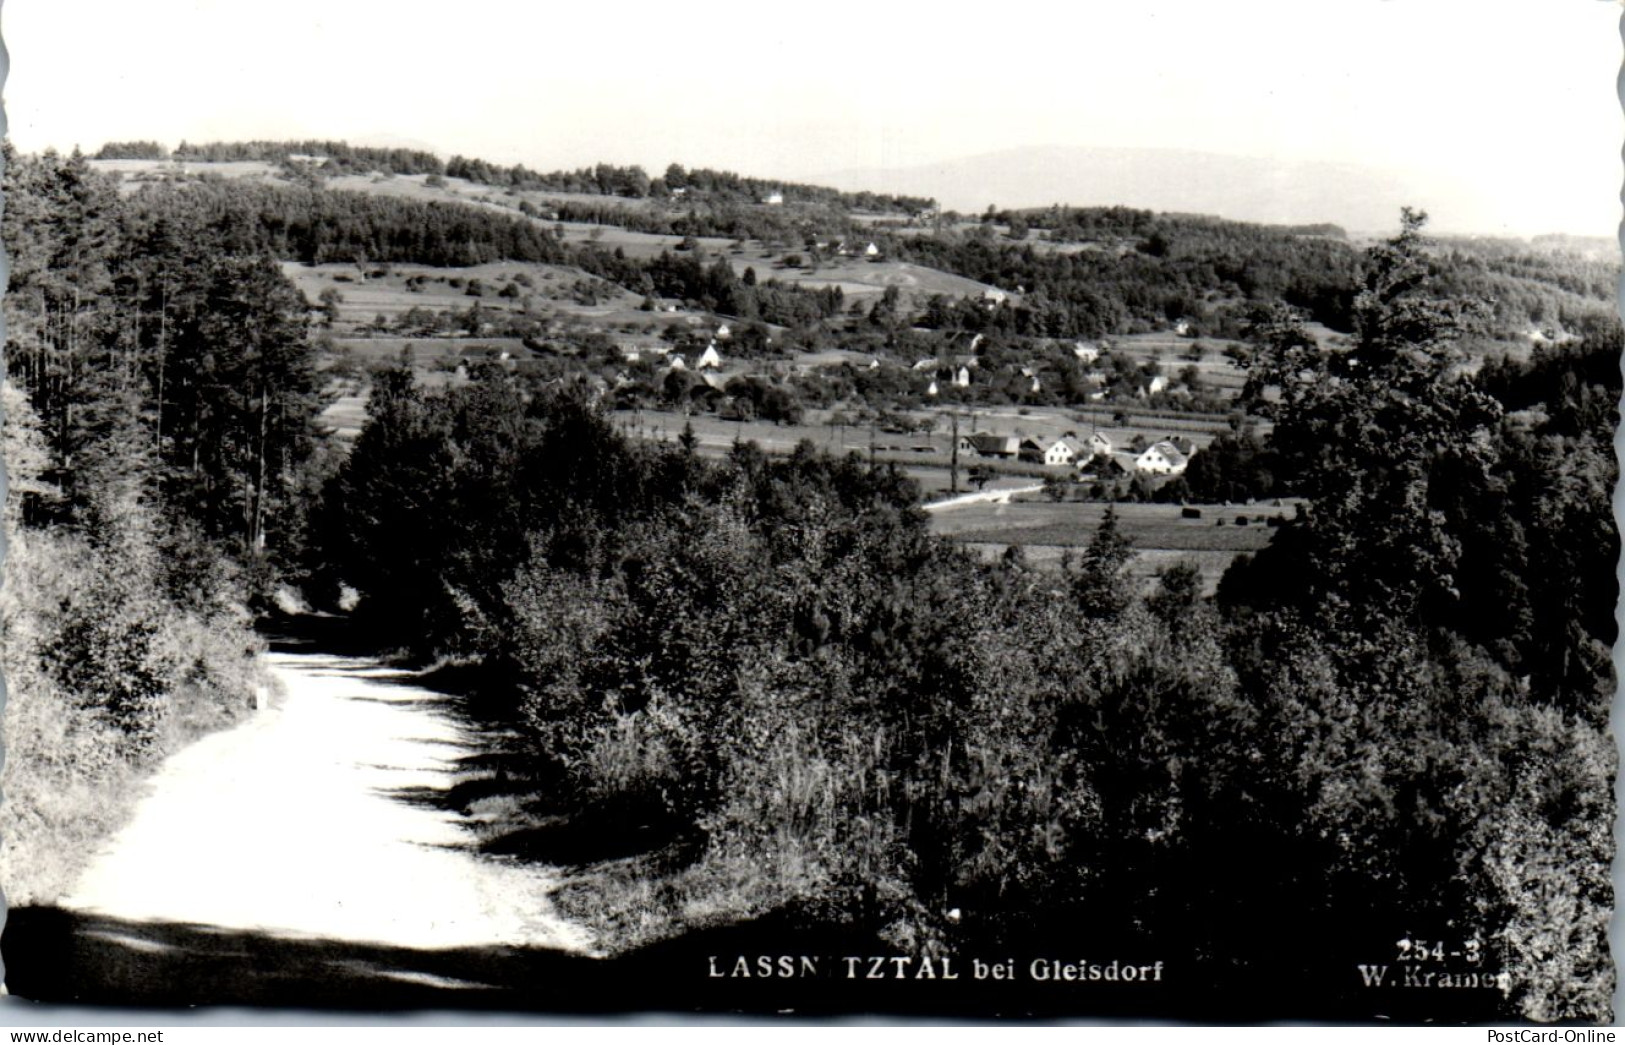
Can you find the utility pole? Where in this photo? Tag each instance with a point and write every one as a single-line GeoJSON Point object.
{"type": "Point", "coordinates": [953, 469]}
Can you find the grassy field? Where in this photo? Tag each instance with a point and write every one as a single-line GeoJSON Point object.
{"type": "Point", "coordinates": [553, 294]}
{"type": "Point", "coordinates": [1160, 537]}
{"type": "Point", "coordinates": [1072, 524]}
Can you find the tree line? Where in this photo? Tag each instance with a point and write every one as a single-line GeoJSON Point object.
{"type": "Point", "coordinates": [158, 426]}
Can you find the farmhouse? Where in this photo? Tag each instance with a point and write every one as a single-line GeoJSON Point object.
{"type": "Point", "coordinates": [710, 359]}
{"type": "Point", "coordinates": [774, 199]}
{"type": "Point", "coordinates": [1100, 444]}
{"type": "Point", "coordinates": [1123, 462]}
{"type": "Point", "coordinates": [1161, 459]}
{"type": "Point", "coordinates": [1085, 353]}
{"type": "Point", "coordinates": [986, 444]}
{"type": "Point", "coordinates": [1049, 451]}
{"type": "Point", "coordinates": [962, 377]}
{"type": "Point", "coordinates": [871, 251]}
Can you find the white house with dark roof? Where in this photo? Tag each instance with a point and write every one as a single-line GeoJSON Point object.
{"type": "Point", "coordinates": [1053, 452]}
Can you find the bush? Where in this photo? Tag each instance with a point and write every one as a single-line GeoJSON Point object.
{"type": "Point", "coordinates": [105, 676]}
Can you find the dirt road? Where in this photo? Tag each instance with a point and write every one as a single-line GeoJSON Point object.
{"type": "Point", "coordinates": [315, 818]}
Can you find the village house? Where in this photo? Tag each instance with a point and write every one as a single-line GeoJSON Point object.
{"type": "Point", "coordinates": [710, 359]}
{"type": "Point", "coordinates": [986, 444]}
{"type": "Point", "coordinates": [1053, 452]}
{"type": "Point", "coordinates": [1161, 459]}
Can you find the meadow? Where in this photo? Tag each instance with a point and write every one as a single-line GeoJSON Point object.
{"type": "Point", "coordinates": [1158, 533]}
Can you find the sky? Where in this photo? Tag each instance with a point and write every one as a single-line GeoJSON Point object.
{"type": "Point", "coordinates": [1516, 100]}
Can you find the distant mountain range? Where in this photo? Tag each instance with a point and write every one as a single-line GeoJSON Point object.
{"type": "Point", "coordinates": [1361, 199]}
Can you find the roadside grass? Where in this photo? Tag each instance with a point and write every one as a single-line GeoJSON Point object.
{"type": "Point", "coordinates": [72, 776]}
{"type": "Point", "coordinates": [632, 903]}
{"type": "Point", "coordinates": [66, 792]}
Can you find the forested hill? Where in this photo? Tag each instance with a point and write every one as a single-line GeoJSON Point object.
{"type": "Point", "coordinates": [599, 180]}
{"type": "Point", "coordinates": [1066, 271]}
{"type": "Point", "coordinates": [1071, 272]}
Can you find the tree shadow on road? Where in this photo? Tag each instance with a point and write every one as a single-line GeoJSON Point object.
{"type": "Point", "coordinates": [69, 957]}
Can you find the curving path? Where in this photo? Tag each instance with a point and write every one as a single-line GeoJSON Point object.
{"type": "Point", "coordinates": [315, 818]}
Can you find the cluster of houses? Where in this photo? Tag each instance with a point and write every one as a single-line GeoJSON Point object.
{"type": "Point", "coordinates": [1167, 457]}
{"type": "Point", "coordinates": [709, 360]}
{"type": "Point", "coordinates": [840, 248]}
{"type": "Point", "coordinates": [960, 370]}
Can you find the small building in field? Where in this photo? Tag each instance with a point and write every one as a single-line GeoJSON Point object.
{"type": "Point", "coordinates": [962, 377]}
{"type": "Point", "coordinates": [774, 199]}
{"type": "Point", "coordinates": [710, 359]}
{"type": "Point", "coordinates": [871, 251]}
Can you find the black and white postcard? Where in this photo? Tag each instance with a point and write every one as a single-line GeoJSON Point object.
{"type": "Point", "coordinates": [1047, 511]}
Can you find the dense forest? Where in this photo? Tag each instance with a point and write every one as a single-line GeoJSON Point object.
{"type": "Point", "coordinates": [762, 677]}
